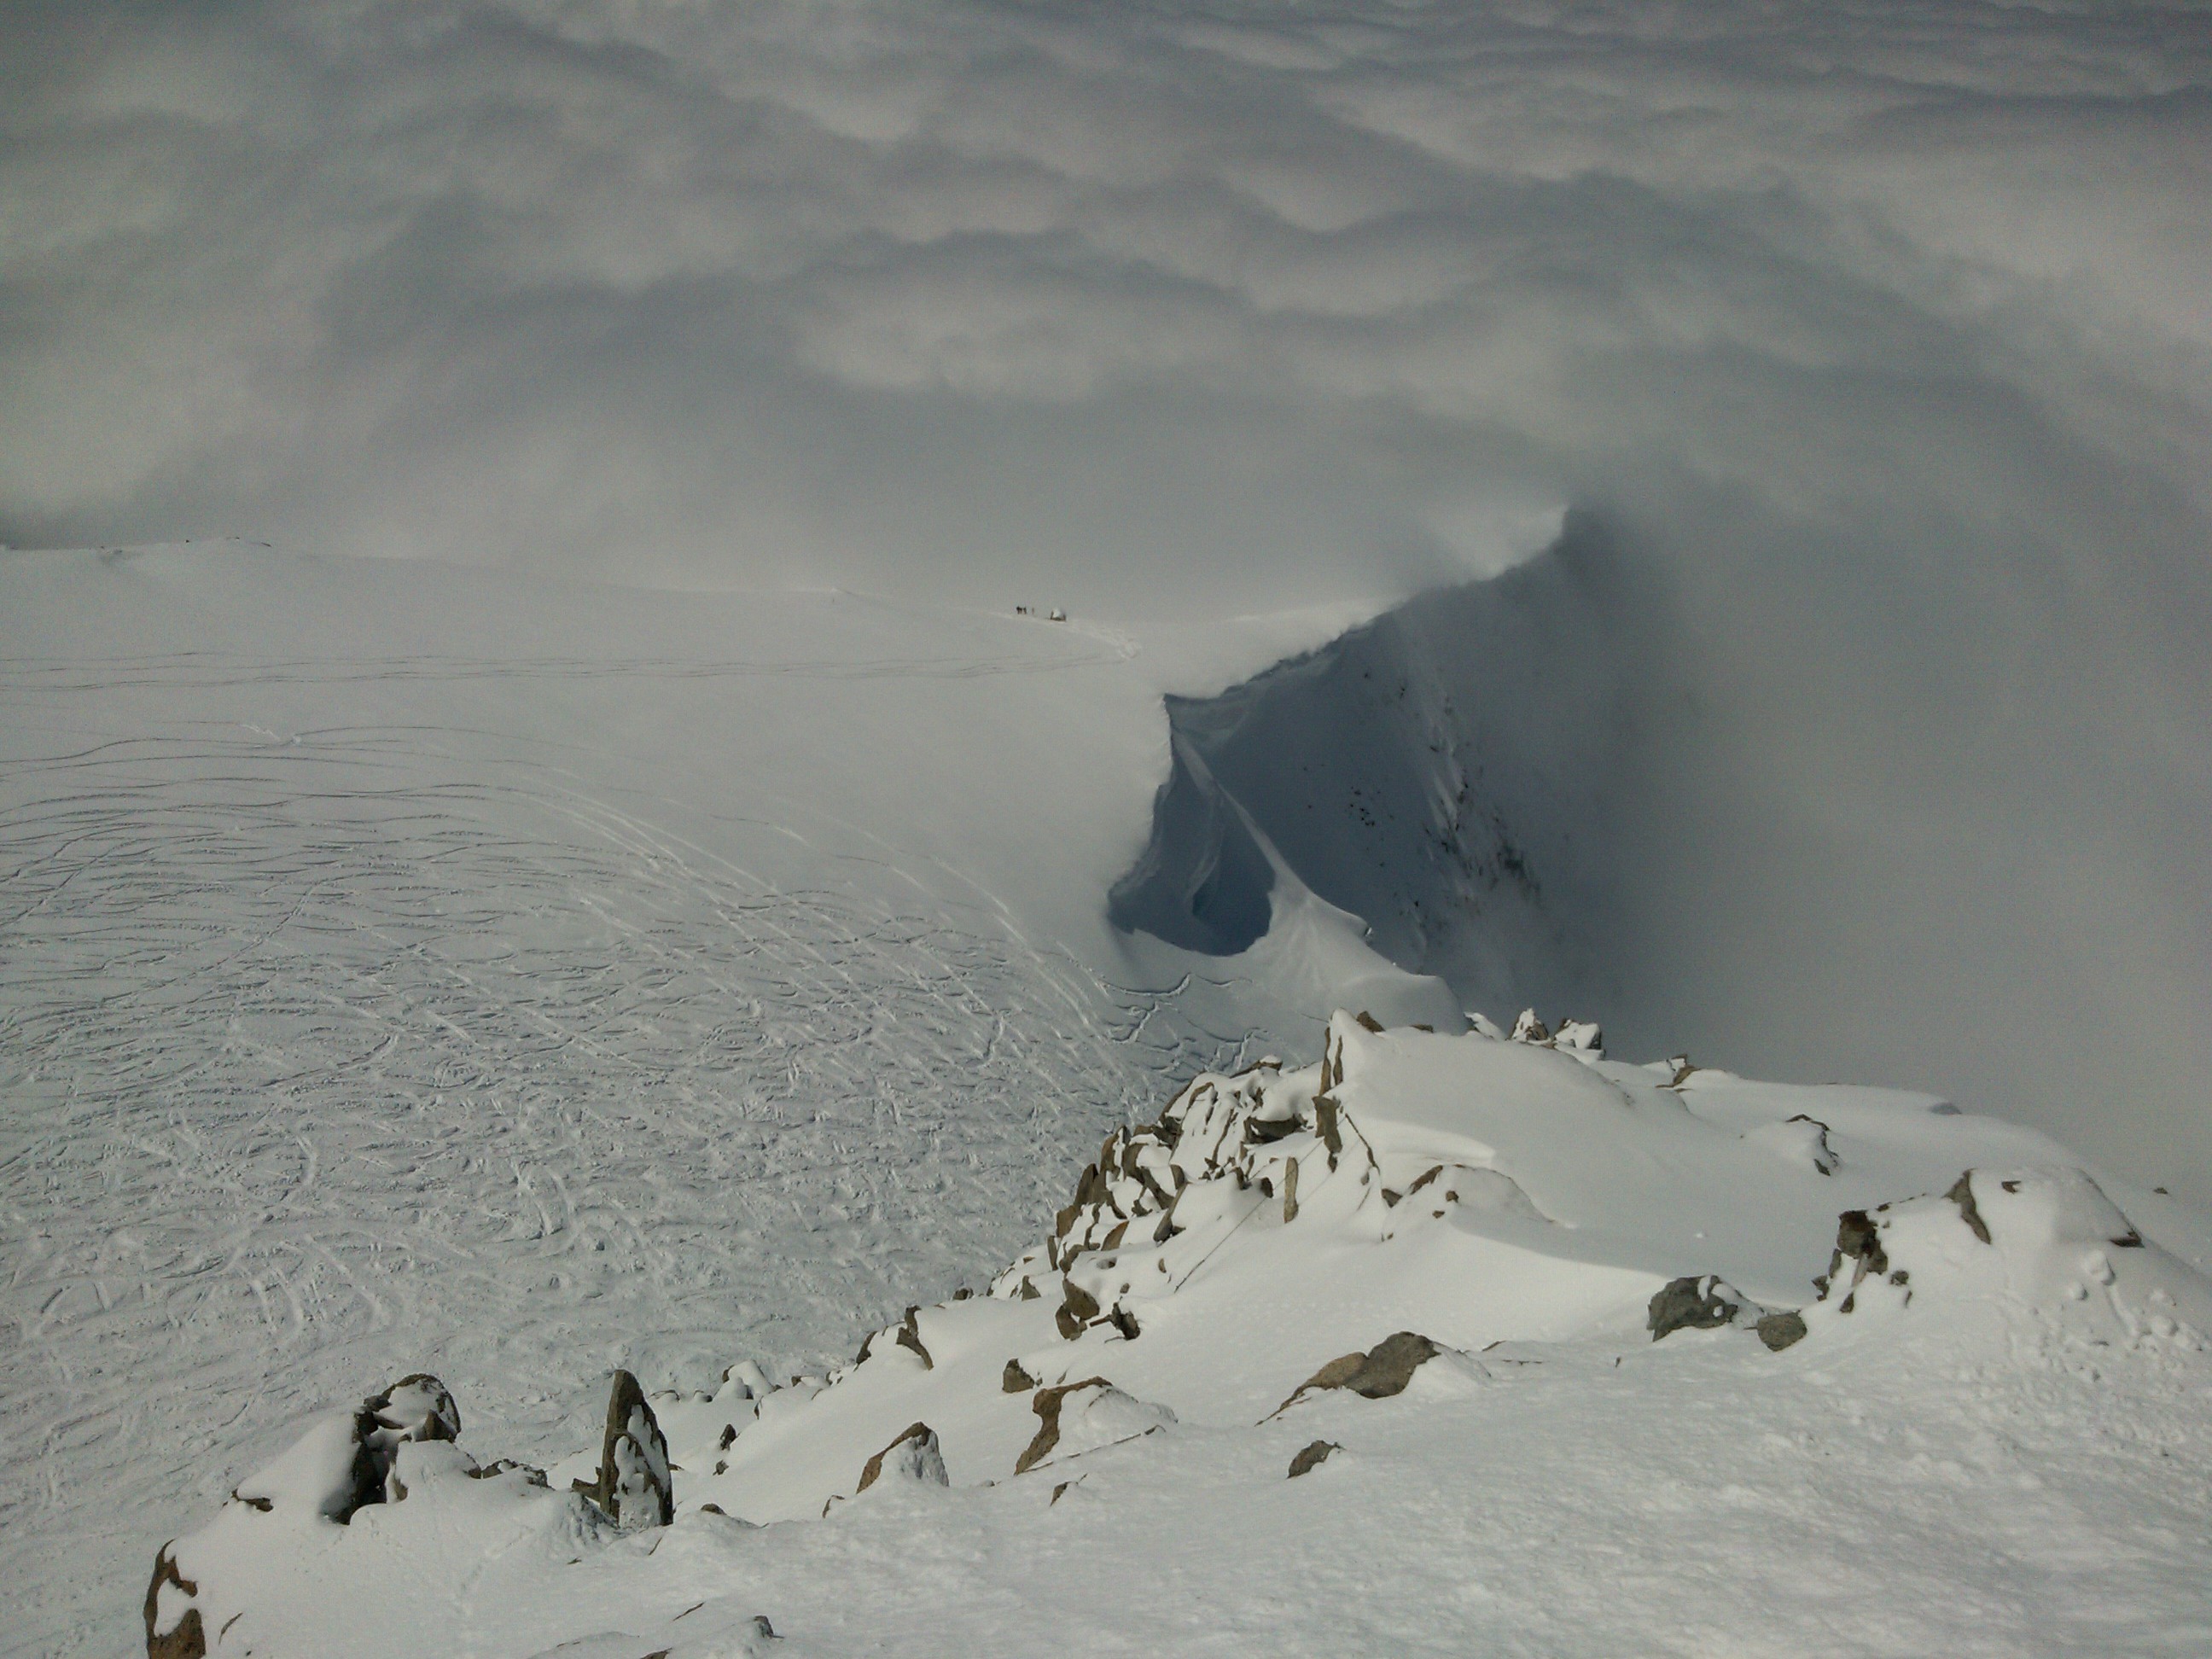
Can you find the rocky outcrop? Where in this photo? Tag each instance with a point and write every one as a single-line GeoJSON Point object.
{"type": "Point", "coordinates": [1046, 1405]}
{"type": "Point", "coordinates": [345, 1463]}
{"type": "Point", "coordinates": [1079, 1417]}
{"type": "Point", "coordinates": [1312, 1457]}
{"type": "Point", "coordinates": [173, 1626]}
{"type": "Point", "coordinates": [634, 1488]}
{"type": "Point", "coordinates": [415, 1408]}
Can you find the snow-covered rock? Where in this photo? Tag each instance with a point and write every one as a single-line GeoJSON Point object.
{"type": "Point", "coordinates": [914, 1457]}
{"type": "Point", "coordinates": [634, 1488]}
{"type": "Point", "coordinates": [1442, 1251]}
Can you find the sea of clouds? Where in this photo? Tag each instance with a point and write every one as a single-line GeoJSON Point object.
{"type": "Point", "coordinates": [1875, 338]}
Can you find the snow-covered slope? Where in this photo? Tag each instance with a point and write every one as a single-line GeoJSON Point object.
{"type": "Point", "coordinates": [404, 968]}
{"type": "Point", "coordinates": [1452, 1343]}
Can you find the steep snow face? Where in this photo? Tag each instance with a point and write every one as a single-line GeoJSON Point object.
{"type": "Point", "coordinates": [1370, 1356]}
{"type": "Point", "coordinates": [403, 967]}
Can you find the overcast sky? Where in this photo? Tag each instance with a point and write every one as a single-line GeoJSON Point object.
{"type": "Point", "coordinates": [1883, 330]}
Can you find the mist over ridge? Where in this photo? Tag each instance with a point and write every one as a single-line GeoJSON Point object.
{"type": "Point", "coordinates": [1870, 341]}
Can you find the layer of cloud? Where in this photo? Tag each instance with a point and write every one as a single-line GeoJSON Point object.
{"type": "Point", "coordinates": [1881, 329]}
{"type": "Point", "coordinates": [962, 294]}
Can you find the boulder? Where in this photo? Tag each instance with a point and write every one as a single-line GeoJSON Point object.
{"type": "Point", "coordinates": [1312, 1457]}
{"type": "Point", "coordinates": [1779, 1330]}
{"type": "Point", "coordinates": [1696, 1305]}
{"type": "Point", "coordinates": [634, 1488]}
{"type": "Point", "coordinates": [1080, 1416]}
{"type": "Point", "coordinates": [914, 1457]}
{"type": "Point", "coordinates": [1382, 1371]}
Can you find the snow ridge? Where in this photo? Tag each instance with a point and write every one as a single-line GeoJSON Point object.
{"type": "Point", "coordinates": [1414, 1277]}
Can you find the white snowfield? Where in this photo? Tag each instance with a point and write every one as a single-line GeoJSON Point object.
{"type": "Point", "coordinates": [410, 969]}
{"type": "Point", "coordinates": [1451, 1343]}
{"type": "Point", "coordinates": [519, 982]}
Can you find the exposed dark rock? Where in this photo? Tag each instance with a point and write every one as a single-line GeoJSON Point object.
{"type": "Point", "coordinates": [1858, 1240]}
{"type": "Point", "coordinates": [1690, 1303]}
{"type": "Point", "coordinates": [1962, 1194]}
{"type": "Point", "coordinates": [187, 1637]}
{"type": "Point", "coordinates": [1015, 1380]}
{"type": "Point", "coordinates": [417, 1407]}
{"type": "Point", "coordinates": [634, 1488]}
{"type": "Point", "coordinates": [1046, 1405]}
{"type": "Point", "coordinates": [1078, 1308]}
{"type": "Point", "coordinates": [910, 1338]}
{"type": "Point", "coordinates": [1327, 1127]}
{"type": "Point", "coordinates": [1368, 1021]}
{"type": "Point", "coordinates": [1391, 1363]}
{"type": "Point", "coordinates": [1382, 1371]}
{"type": "Point", "coordinates": [1779, 1330]}
{"type": "Point", "coordinates": [915, 1454]}
{"type": "Point", "coordinates": [1312, 1457]}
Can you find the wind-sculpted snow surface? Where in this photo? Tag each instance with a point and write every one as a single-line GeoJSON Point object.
{"type": "Point", "coordinates": [1424, 1280]}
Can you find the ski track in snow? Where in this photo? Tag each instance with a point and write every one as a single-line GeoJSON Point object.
{"type": "Point", "coordinates": [328, 1059]}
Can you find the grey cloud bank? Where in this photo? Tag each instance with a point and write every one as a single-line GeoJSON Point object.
{"type": "Point", "coordinates": [1874, 337]}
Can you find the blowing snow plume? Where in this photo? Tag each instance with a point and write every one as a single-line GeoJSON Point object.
{"type": "Point", "coordinates": [1876, 336]}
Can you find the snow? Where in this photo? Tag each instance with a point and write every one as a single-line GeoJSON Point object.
{"type": "Point", "coordinates": [404, 968]}
{"type": "Point", "coordinates": [1991, 1438]}
{"type": "Point", "coordinates": [503, 979]}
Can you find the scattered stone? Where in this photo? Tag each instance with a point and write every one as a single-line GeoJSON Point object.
{"type": "Point", "coordinates": [914, 1457]}
{"type": "Point", "coordinates": [1690, 1304]}
{"type": "Point", "coordinates": [1015, 1380]}
{"type": "Point", "coordinates": [634, 1488]}
{"type": "Point", "coordinates": [1312, 1457]}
